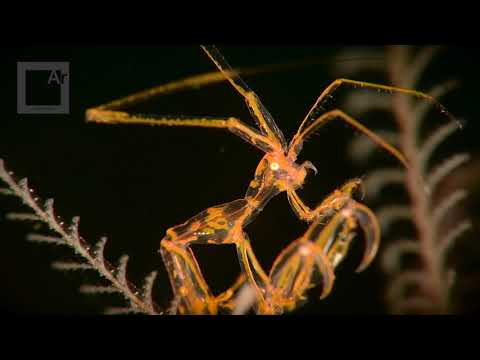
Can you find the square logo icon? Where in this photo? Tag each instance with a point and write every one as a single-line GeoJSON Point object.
{"type": "Point", "coordinates": [43, 88]}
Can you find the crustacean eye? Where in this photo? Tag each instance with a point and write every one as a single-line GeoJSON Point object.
{"type": "Point", "coordinates": [274, 166]}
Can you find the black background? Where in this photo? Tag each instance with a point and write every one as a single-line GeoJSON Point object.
{"type": "Point", "coordinates": [132, 183]}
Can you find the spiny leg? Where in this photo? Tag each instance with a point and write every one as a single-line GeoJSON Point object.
{"type": "Point", "coordinates": [298, 206]}
{"type": "Point", "coordinates": [192, 82]}
{"type": "Point", "coordinates": [293, 270]}
{"type": "Point", "coordinates": [317, 106]}
{"type": "Point", "coordinates": [340, 211]}
{"type": "Point", "coordinates": [329, 244]}
{"type": "Point", "coordinates": [302, 210]}
{"type": "Point", "coordinates": [198, 81]}
{"type": "Point", "coordinates": [319, 251]}
{"type": "Point", "coordinates": [251, 267]}
{"type": "Point", "coordinates": [226, 300]}
{"type": "Point", "coordinates": [261, 115]}
{"type": "Point", "coordinates": [335, 237]}
{"type": "Point", "coordinates": [290, 275]}
{"type": "Point", "coordinates": [311, 123]}
{"type": "Point", "coordinates": [189, 284]}
{"type": "Point", "coordinates": [316, 252]}
{"type": "Point", "coordinates": [186, 279]}
{"type": "Point", "coordinates": [297, 141]}
{"type": "Point", "coordinates": [234, 125]}
{"type": "Point", "coordinates": [216, 225]}
{"type": "Point", "coordinates": [110, 113]}
{"type": "Point", "coordinates": [255, 274]}
{"type": "Point", "coordinates": [334, 202]}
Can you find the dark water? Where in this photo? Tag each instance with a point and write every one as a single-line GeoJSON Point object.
{"type": "Point", "coordinates": [132, 183]}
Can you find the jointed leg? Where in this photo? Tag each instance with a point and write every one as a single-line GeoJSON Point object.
{"type": "Point", "coordinates": [320, 250]}
{"type": "Point", "coordinates": [234, 125]}
{"type": "Point", "coordinates": [335, 237]}
{"type": "Point", "coordinates": [195, 82]}
{"type": "Point", "coordinates": [293, 270]}
{"type": "Point", "coordinates": [260, 113]}
{"type": "Point", "coordinates": [312, 114]}
{"type": "Point", "coordinates": [340, 211]}
{"type": "Point", "coordinates": [251, 267]}
{"type": "Point", "coordinates": [216, 225]}
{"type": "Point", "coordinates": [111, 113]}
{"type": "Point", "coordinates": [226, 299]}
{"type": "Point", "coordinates": [302, 211]}
{"type": "Point", "coordinates": [332, 203]}
{"type": "Point", "coordinates": [290, 276]}
{"type": "Point", "coordinates": [186, 279]}
{"type": "Point", "coordinates": [256, 276]}
{"type": "Point", "coordinates": [300, 136]}
{"type": "Point", "coordinates": [189, 284]}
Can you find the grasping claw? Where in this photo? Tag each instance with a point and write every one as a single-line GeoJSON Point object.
{"type": "Point", "coordinates": [318, 252]}
{"type": "Point", "coordinates": [336, 236]}
{"type": "Point", "coordinates": [292, 272]}
{"type": "Point", "coordinates": [309, 165]}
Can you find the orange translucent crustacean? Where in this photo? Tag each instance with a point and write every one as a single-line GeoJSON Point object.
{"type": "Point", "coordinates": [333, 222]}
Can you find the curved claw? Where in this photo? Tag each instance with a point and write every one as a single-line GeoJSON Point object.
{"type": "Point", "coordinates": [369, 224]}
{"type": "Point", "coordinates": [326, 271]}
{"type": "Point", "coordinates": [335, 237]}
{"type": "Point", "coordinates": [354, 188]}
{"type": "Point", "coordinates": [292, 271]}
{"type": "Point", "coordinates": [309, 165]}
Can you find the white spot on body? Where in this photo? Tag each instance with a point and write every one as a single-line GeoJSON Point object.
{"type": "Point", "coordinates": [347, 212]}
{"type": "Point", "coordinates": [274, 166]}
{"type": "Point", "coordinates": [304, 250]}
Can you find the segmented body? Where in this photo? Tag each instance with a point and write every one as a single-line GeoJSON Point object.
{"type": "Point", "coordinates": [334, 221]}
{"type": "Point", "coordinates": [224, 224]}
{"type": "Point", "coordinates": [217, 224]}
